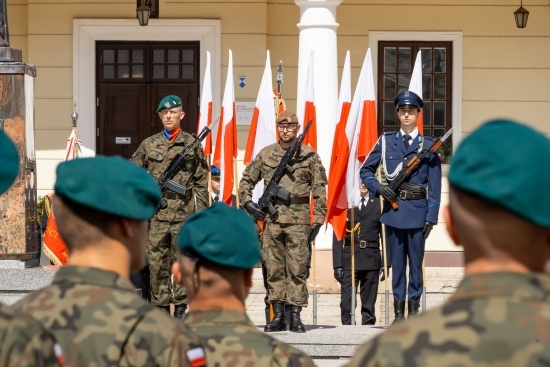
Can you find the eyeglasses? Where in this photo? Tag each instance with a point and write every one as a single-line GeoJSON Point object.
{"type": "Point", "coordinates": [289, 127]}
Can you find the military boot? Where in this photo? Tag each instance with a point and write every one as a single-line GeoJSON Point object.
{"type": "Point", "coordinates": [413, 307]}
{"type": "Point", "coordinates": [279, 321]}
{"type": "Point", "coordinates": [180, 310]}
{"type": "Point", "coordinates": [296, 325]}
{"type": "Point", "coordinates": [165, 309]}
{"type": "Point", "coordinates": [399, 309]}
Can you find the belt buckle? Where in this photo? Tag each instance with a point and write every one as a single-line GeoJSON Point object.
{"type": "Point", "coordinates": [362, 244]}
{"type": "Point", "coordinates": [403, 194]}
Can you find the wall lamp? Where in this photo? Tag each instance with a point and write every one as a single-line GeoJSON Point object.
{"type": "Point", "coordinates": [146, 9]}
{"type": "Point", "coordinates": [521, 16]}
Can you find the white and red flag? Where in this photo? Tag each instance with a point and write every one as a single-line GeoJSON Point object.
{"type": "Point", "coordinates": [416, 86]}
{"type": "Point", "coordinates": [359, 138]}
{"type": "Point", "coordinates": [307, 112]}
{"type": "Point", "coordinates": [262, 127]}
{"type": "Point", "coordinates": [205, 111]}
{"type": "Point", "coordinates": [226, 141]}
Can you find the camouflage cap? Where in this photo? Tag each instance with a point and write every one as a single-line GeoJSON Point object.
{"type": "Point", "coordinates": [168, 102]}
{"type": "Point", "coordinates": [516, 180]}
{"type": "Point", "coordinates": [111, 185]}
{"type": "Point", "coordinates": [408, 98]}
{"type": "Point", "coordinates": [287, 117]}
{"type": "Point", "coordinates": [10, 162]}
{"type": "Point", "coordinates": [223, 235]}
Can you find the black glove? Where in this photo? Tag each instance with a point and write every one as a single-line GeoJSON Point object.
{"type": "Point", "coordinates": [339, 274]}
{"type": "Point", "coordinates": [427, 229]}
{"type": "Point", "coordinates": [386, 193]}
{"type": "Point", "coordinates": [254, 210]}
{"type": "Point", "coordinates": [382, 274]}
{"type": "Point", "coordinates": [313, 232]}
{"type": "Point", "coordinates": [307, 271]}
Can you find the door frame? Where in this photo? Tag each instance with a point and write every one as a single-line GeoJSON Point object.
{"type": "Point", "coordinates": [87, 31]}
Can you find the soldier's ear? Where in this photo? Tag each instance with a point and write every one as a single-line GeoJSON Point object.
{"type": "Point", "coordinates": [176, 272]}
{"type": "Point", "coordinates": [248, 278]}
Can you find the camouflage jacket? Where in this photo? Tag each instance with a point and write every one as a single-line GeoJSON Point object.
{"type": "Point", "coordinates": [308, 178]}
{"type": "Point", "coordinates": [230, 339]}
{"type": "Point", "coordinates": [23, 342]}
{"type": "Point", "coordinates": [493, 319]}
{"type": "Point", "coordinates": [98, 319]}
{"type": "Point", "coordinates": [156, 152]}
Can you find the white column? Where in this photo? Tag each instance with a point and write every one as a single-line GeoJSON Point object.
{"type": "Point", "coordinates": [318, 34]}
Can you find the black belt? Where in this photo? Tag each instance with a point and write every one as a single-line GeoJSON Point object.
{"type": "Point", "coordinates": [364, 244]}
{"type": "Point", "coordinates": [412, 192]}
{"type": "Point", "coordinates": [295, 201]}
{"type": "Point", "coordinates": [175, 196]}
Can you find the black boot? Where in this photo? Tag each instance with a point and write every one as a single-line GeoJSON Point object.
{"type": "Point", "coordinates": [279, 321]}
{"type": "Point", "coordinates": [180, 310]}
{"type": "Point", "coordinates": [413, 308]}
{"type": "Point", "coordinates": [296, 325]}
{"type": "Point", "coordinates": [399, 309]}
{"type": "Point", "coordinates": [165, 309]}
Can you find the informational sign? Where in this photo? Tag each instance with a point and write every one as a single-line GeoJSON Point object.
{"type": "Point", "coordinates": [123, 140]}
{"type": "Point", "coordinates": [245, 110]}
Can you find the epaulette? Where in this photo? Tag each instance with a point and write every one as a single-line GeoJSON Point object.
{"type": "Point", "coordinates": [388, 133]}
{"type": "Point", "coordinates": [430, 138]}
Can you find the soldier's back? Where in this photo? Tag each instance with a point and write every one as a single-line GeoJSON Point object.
{"type": "Point", "coordinates": [99, 320]}
{"type": "Point", "coordinates": [230, 339]}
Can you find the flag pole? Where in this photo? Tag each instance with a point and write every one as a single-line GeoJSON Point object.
{"type": "Point", "coordinates": [352, 267]}
{"type": "Point", "coordinates": [209, 162]}
{"type": "Point", "coordinates": [235, 181]}
{"type": "Point", "coordinates": [424, 285]}
{"type": "Point", "coordinates": [386, 272]}
{"type": "Point", "coordinates": [314, 266]}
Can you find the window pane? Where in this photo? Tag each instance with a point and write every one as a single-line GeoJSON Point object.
{"type": "Point", "coordinates": [404, 59]}
{"type": "Point", "coordinates": [108, 56]}
{"type": "Point", "coordinates": [187, 56]}
{"type": "Point", "coordinates": [108, 71]}
{"type": "Point", "coordinates": [173, 71]}
{"type": "Point", "coordinates": [440, 57]}
{"type": "Point", "coordinates": [158, 71]}
{"type": "Point", "coordinates": [389, 59]}
{"type": "Point", "coordinates": [173, 56]}
{"type": "Point", "coordinates": [427, 132]}
{"type": "Point", "coordinates": [389, 86]}
{"type": "Point", "coordinates": [123, 56]}
{"type": "Point", "coordinates": [439, 86]}
{"type": "Point", "coordinates": [439, 133]}
{"type": "Point", "coordinates": [137, 56]}
{"type": "Point", "coordinates": [426, 60]}
{"type": "Point", "coordinates": [158, 56]}
{"type": "Point", "coordinates": [187, 71]}
{"type": "Point", "coordinates": [427, 114]}
{"type": "Point", "coordinates": [404, 81]}
{"type": "Point", "coordinates": [439, 113]}
{"type": "Point", "coordinates": [137, 71]}
{"type": "Point", "coordinates": [389, 114]}
{"type": "Point", "coordinates": [123, 71]}
{"type": "Point", "coordinates": [427, 86]}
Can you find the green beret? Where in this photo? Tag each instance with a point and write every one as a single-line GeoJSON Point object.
{"type": "Point", "coordinates": [10, 162]}
{"type": "Point", "coordinates": [111, 185]}
{"type": "Point", "coordinates": [222, 235]}
{"type": "Point", "coordinates": [168, 102]}
{"type": "Point", "coordinates": [504, 161]}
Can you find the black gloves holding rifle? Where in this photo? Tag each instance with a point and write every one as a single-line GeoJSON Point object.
{"type": "Point", "coordinates": [427, 229]}
{"type": "Point", "coordinates": [387, 193]}
{"type": "Point", "coordinates": [254, 210]}
{"type": "Point", "coordinates": [313, 231]}
{"type": "Point", "coordinates": [339, 274]}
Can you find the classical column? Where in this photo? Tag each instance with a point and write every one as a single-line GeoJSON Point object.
{"type": "Point", "coordinates": [318, 34]}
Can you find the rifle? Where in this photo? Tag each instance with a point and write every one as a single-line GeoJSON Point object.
{"type": "Point", "coordinates": [273, 191]}
{"type": "Point", "coordinates": [165, 180]}
{"type": "Point", "coordinates": [279, 78]}
{"type": "Point", "coordinates": [412, 164]}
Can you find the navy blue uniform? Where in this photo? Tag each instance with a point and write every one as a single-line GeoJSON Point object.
{"type": "Point", "coordinates": [405, 225]}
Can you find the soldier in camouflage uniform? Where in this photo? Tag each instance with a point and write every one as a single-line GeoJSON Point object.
{"type": "Point", "coordinates": [218, 251]}
{"type": "Point", "coordinates": [500, 313]}
{"type": "Point", "coordinates": [154, 154]}
{"type": "Point", "coordinates": [23, 342]}
{"type": "Point", "coordinates": [91, 307]}
{"type": "Point", "coordinates": [286, 234]}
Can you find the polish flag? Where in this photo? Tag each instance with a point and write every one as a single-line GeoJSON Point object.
{"type": "Point", "coordinates": [360, 136]}
{"type": "Point", "coordinates": [416, 86]}
{"type": "Point", "coordinates": [308, 113]}
{"type": "Point", "coordinates": [73, 145]}
{"type": "Point", "coordinates": [337, 201]}
{"type": "Point", "coordinates": [226, 140]}
{"type": "Point", "coordinates": [205, 112]}
{"type": "Point", "coordinates": [262, 128]}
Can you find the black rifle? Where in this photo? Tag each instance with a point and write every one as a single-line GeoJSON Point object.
{"type": "Point", "coordinates": [165, 181]}
{"type": "Point", "coordinates": [413, 164]}
{"type": "Point", "coordinates": [273, 191]}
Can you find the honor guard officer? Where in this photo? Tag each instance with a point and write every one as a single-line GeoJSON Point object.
{"type": "Point", "coordinates": [218, 251]}
{"type": "Point", "coordinates": [215, 183]}
{"type": "Point", "coordinates": [499, 212]}
{"type": "Point", "coordinates": [409, 226]}
{"type": "Point", "coordinates": [368, 261]}
{"type": "Point", "coordinates": [154, 154]}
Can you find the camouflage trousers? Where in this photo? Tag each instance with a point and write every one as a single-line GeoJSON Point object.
{"type": "Point", "coordinates": [285, 255]}
{"type": "Point", "coordinates": [161, 254]}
